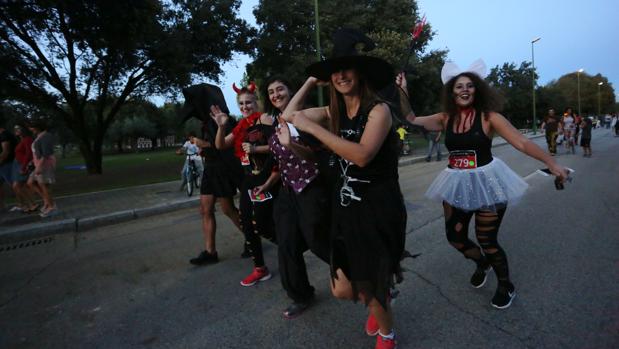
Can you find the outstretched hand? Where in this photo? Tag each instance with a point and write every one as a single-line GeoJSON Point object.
{"type": "Point", "coordinates": [220, 117]}
{"type": "Point", "coordinates": [559, 171]}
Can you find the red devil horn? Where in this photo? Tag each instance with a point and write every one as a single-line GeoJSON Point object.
{"type": "Point", "coordinates": [252, 87]}
{"type": "Point", "coordinates": [236, 89]}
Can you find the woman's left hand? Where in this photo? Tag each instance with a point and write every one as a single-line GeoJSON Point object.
{"type": "Point", "coordinates": [283, 132]}
{"type": "Point", "coordinates": [261, 189]}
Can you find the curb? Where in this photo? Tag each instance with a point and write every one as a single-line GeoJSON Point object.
{"type": "Point", "coordinates": [78, 225]}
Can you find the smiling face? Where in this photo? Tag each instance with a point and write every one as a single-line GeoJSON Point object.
{"type": "Point", "coordinates": [464, 92]}
{"type": "Point", "coordinates": [247, 104]}
{"type": "Point", "coordinates": [346, 81]}
{"type": "Point", "coordinates": [279, 95]}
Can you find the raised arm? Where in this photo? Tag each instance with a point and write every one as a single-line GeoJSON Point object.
{"type": "Point", "coordinates": [222, 141]}
{"type": "Point", "coordinates": [296, 103]}
{"type": "Point", "coordinates": [376, 129]}
{"type": "Point", "coordinates": [505, 129]}
{"type": "Point", "coordinates": [434, 122]}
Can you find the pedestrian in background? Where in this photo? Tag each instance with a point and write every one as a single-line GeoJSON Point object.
{"type": "Point", "coordinates": [434, 142]}
{"type": "Point", "coordinates": [404, 147]}
{"type": "Point", "coordinates": [7, 155]}
{"type": "Point", "coordinates": [585, 140]}
{"type": "Point", "coordinates": [22, 167]}
{"type": "Point", "coordinates": [551, 129]}
{"type": "Point", "coordinates": [44, 160]}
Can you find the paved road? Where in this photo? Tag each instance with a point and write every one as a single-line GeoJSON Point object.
{"type": "Point", "coordinates": [130, 286]}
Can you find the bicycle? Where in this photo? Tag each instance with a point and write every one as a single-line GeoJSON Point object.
{"type": "Point", "coordinates": [191, 175]}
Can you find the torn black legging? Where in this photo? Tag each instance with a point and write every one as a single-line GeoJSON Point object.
{"type": "Point", "coordinates": [256, 217]}
{"type": "Point", "coordinates": [487, 225]}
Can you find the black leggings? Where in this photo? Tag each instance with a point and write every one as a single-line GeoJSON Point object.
{"type": "Point", "coordinates": [487, 225]}
{"type": "Point", "coordinates": [256, 218]}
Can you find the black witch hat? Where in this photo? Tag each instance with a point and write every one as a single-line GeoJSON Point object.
{"type": "Point", "coordinates": [344, 56]}
{"type": "Point", "coordinates": [199, 99]}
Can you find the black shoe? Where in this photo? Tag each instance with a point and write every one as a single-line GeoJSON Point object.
{"type": "Point", "coordinates": [295, 309]}
{"type": "Point", "coordinates": [428, 159]}
{"type": "Point", "coordinates": [503, 296]}
{"type": "Point", "coordinates": [246, 253]}
{"type": "Point", "coordinates": [205, 258]}
{"type": "Point", "coordinates": [438, 158]}
{"type": "Point", "coordinates": [479, 277]}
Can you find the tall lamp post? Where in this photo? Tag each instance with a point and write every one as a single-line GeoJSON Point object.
{"type": "Point", "coordinates": [533, 84]}
{"type": "Point", "coordinates": [578, 78]}
{"type": "Point", "coordinates": [599, 97]}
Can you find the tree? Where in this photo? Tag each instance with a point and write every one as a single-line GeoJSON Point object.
{"type": "Point", "coordinates": [567, 88]}
{"type": "Point", "coordinates": [515, 84]}
{"type": "Point", "coordinates": [286, 42]}
{"type": "Point", "coordinates": [65, 55]}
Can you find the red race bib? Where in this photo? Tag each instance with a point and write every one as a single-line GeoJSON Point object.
{"type": "Point", "coordinates": [463, 159]}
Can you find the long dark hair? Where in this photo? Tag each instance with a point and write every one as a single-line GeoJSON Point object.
{"type": "Point", "coordinates": [337, 106]}
{"type": "Point", "coordinates": [268, 106]}
{"type": "Point", "coordinates": [486, 98]}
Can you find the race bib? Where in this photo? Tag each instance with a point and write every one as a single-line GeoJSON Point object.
{"type": "Point", "coordinates": [463, 159]}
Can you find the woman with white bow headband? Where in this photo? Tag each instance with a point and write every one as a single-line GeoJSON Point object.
{"type": "Point", "coordinates": [475, 182]}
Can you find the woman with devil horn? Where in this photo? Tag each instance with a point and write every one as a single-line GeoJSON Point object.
{"type": "Point", "coordinates": [250, 141]}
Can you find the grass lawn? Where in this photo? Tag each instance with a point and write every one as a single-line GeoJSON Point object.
{"type": "Point", "coordinates": [132, 169]}
{"type": "Point", "coordinates": [119, 171]}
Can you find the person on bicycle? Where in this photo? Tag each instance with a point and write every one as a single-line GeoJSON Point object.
{"type": "Point", "coordinates": [192, 151]}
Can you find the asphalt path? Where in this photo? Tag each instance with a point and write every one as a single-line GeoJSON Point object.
{"type": "Point", "coordinates": [130, 285]}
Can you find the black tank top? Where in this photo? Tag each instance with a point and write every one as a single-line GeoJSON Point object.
{"type": "Point", "coordinates": [473, 139]}
{"type": "Point", "coordinates": [385, 163]}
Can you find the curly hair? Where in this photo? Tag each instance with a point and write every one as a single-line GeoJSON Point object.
{"type": "Point", "coordinates": [486, 99]}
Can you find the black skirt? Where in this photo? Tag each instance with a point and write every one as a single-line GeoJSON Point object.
{"type": "Point", "coordinates": [220, 179]}
{"type": "Point", "coordinates": [368, 238]}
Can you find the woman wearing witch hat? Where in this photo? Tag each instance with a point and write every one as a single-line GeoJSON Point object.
{"type": "Point", "coordinates": [475, 182]}
{"type": "Point", "coordinates": [222, 173]}
{"type": "Point", "coordinates": [368, 213]}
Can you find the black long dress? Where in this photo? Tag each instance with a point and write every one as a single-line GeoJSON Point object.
{"type": "Point", "coordinates": [369, 218]}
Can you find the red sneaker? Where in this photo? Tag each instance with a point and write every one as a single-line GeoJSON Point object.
{"type": "Point", "coordinates": [259, 274]}
{"type": "Point", "coordinates": [385, 343]}
{"type": "Point", "coordinates": [371, 326]}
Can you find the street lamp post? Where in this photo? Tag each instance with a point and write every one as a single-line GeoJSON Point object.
{"type": "Point", "coordinates": [533, 84]}
{"type": "Point", "coordinates": [578, 78]}
{"type": "Point", "coordinates": [599, 97]}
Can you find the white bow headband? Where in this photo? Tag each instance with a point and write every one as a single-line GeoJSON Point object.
{"type": "Point", "coordinates": [451, 70]}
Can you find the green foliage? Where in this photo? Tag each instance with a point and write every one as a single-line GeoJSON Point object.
{"type": "Point", "coordinates": [516, 85]}
{"type": "Point", "coordinates": [81, 61]}
{"type": "Point", "coordinates": [565, 90]}
{"type": "Point", "coordinates": [286, 41]}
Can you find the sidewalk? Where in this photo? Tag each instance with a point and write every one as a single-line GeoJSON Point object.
{"type": "Point", "coordinates": [79, 213]}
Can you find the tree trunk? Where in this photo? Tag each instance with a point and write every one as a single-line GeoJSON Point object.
{"type": "Point", "coordinates": [92, 157]}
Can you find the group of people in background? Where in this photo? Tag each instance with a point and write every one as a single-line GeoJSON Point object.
{"type": "Point", "coordinates": [568, 129]}
{"type": "Point", "coordinates": [325, 179]}
{"type": "Point", "coordinates": [27, 165]}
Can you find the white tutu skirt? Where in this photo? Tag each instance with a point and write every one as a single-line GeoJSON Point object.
{"type": "Point", "coordinates": [487, 187]}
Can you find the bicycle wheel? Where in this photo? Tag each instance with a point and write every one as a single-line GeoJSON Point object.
{"type": "Point", "coordinates": [197, 179]}
{"type": "Point", "coordinates": [190, 181]}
